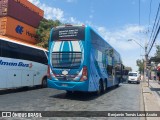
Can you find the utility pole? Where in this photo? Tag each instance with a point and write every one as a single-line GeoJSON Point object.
{"type": "Point", "coordinates": [145, 64]}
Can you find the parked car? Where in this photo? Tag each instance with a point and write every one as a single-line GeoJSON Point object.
{"type": "Point", "coordinates": [133, 77]}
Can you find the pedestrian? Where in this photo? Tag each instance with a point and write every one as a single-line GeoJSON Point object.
{"type": "Point", "coordinates": [158, 79]}
{"type": "Point", "coordinates": [158, 75]}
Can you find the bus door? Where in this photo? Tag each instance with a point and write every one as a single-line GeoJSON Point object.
{"type": "Point", "coordinates": [118, 73]}
{"type": "Point", "coordinates": [110, 75]}
{"type": "Point", "coordinates": [110, 71]}
{"type": "Point", "coordinates": [38, 76]}
{"type": "Point", "coordinates": [39, 73]}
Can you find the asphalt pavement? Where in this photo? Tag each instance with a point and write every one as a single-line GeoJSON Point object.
{"type": "Point", "coordinates": [126, 97]}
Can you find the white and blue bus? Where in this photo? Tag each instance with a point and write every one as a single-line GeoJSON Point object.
{"type": "Point", "coordinates": [81, 60]}
{"type": "Point", "coordinates": [21, 64]}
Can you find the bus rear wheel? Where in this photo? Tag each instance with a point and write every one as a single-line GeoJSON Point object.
{"type": "Point", "coordinates": [69, 92]}
{"type": "Point", "coordinates": [44, 82]}
{"type": "Point", "coordinates": [105, 85]}
{"type": "Point", "coordinates": [101, 88]}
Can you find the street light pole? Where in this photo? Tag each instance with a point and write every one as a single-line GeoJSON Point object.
{"type": "Point", "coordinates": [136, 42]}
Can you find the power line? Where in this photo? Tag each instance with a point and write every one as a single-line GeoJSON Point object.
{"type": "Point", "coordinates": [154, 39]}
{"type": "Point", "coordinates": [139, 12]}
{"type": "Point", "coordinates": [150, 11]}
{"type": "Point", "coordinates": [154, 24]}
{"type": "Point", "coordinates": [156, 27]}
{"type": "Point", "coordinates": [149, 17]}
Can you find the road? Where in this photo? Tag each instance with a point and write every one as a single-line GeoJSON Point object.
{"type": "Point", "coordinates": [127, 97]}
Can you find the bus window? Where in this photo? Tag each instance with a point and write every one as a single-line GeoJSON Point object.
{"type": "Point", "coordinates": [66, 59]}
{"type": "Point", "coordinates": [9, 50]}
{"type": "Point", "coordinates": [67, 54]}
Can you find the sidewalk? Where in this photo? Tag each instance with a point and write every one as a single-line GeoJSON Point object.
{"type": "Point", "coordinates": [151, 97]}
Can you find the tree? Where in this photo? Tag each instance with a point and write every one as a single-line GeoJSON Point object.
{"type": "Point", "coordinates": [128, 68]}
{"type": "Point", "coordinates": [156, 58]}
{"type": "Point", "coordinates": [157, 54]}
{"type": "Point", "coordinates": [140, 64]}
{"type": "Point", "coordinates": [43, 31]}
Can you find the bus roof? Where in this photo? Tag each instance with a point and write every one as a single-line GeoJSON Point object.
{"type": "Point", "coordinates": [14, 40]}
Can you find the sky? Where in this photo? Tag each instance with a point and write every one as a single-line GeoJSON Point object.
{"type": "Point", "coordinates": [117, 21]}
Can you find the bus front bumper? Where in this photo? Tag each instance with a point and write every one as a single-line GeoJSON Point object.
{"type": "Point", "coordinates": [70, 86]}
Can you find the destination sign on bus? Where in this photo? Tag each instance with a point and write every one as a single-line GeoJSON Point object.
{"type": "Point", "coordinates": [67, 33]}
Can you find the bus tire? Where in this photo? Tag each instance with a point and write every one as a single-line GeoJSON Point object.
{"type": "Point", "coordinates": [44, 82]}
{"type": "Point", "coordinates": [118, 83]}
{"type": "Point", "coordinates": [105, 85]}
{"type": "Point", "coordinates": [68, 92]}
{"type": "Point", "coordinates": [100, 85]}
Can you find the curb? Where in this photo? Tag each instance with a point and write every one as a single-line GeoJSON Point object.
{"type": "Point", "coordinates": [150, 101]}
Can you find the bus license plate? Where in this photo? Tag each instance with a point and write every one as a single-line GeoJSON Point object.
{"type": "Point", "coordinates": [64, 85]}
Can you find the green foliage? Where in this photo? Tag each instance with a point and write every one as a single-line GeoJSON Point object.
{"type": "Point", "coordinates": [128, 68]}
{"type": "Point", "coordinates": [140, 64]}
{"type": "Point", "coordinates": [43, 31]}
{"type": "Point", "coordinates": [157, 54]}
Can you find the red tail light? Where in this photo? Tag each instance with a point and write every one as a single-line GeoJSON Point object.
{"type": "Point", "coordinates": [84, 74]}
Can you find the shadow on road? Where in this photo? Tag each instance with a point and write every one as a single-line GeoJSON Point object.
{"type": "Point", "coordinates": [157, 90]}
{"type": "Point", "coordinates": [16, 90]}
{"type": "Point", "coordinates": [82, 96]}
